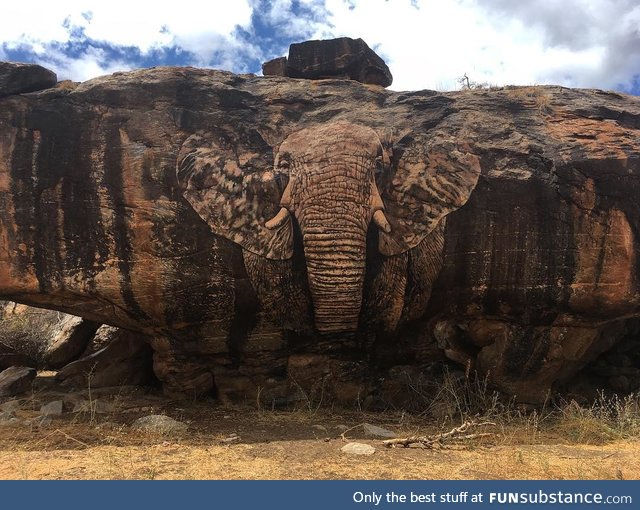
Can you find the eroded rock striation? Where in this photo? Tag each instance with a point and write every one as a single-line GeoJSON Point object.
{"type": "Point", "coordinates": [273, 237]}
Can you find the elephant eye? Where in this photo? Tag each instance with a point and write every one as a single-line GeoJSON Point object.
{"type": "Point", "coordinates": [282, 181]}
{"type": "Point", "coordinates": [379, 169]}
{"type": "Point", "coordinates": [284, 160]}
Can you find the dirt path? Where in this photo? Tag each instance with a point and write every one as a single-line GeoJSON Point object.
{"type": "Point", "coordinates": [313, 460]}
{"type": "Point", "coordinates": [284, 445]}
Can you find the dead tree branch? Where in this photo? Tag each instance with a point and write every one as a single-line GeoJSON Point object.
{"type": "Point", "coordinates": [441, 440]}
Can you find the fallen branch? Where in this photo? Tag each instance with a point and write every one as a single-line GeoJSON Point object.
{"type": "Point", "coordinates": [344, 437]}
{"type": "Point", "coordinates": [440, 440]}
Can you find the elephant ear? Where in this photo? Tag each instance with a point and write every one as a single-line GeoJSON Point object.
{"type": "Point", "coordinates": [428, 179]}
{"type": "Point", "coordinates": [228, 179]}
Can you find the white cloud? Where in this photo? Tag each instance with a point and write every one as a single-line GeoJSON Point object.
{"type": "Point", "coordinates": [599, 39]}
{"type": "Point", "coordinates": [279, 14]}
{"type": "Point", "coordinates": [90, 64]}
{"type": "Point", "coordinates": [427, 43]}
{"type": "Point", "coordinates": [430, 44]}
{"type": "Point", "coordinates": [122, 22]}
{"type": "Point", "coordinates": [204, 28]}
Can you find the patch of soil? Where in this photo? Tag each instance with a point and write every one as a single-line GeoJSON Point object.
{"type": "Point", "coordinates": [245, 443]}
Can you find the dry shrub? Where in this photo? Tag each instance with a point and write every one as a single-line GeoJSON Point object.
{"type": "Point", "coordinates": [456, 397]}
{"type": "Point", "coordinates": [27, 330]}
{"type": "Point", "coordinates": [534, 96]}
{"type": "Point", "coordinates": [608, 418]}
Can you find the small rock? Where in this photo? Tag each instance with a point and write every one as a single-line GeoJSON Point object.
{"type": "Point", "coordinates": [96, 406]}
{"type": "Point", "coordinates": [358, 449]}
{"type": "Point", "coordinates": [41, 422]}
{"type": "Point", "coordinates": [16, 380]}
{"type": "Point", "coordinates": [159, 423]}
{"type": "Point", "coordinates": [8, 418]}
{"type": "Point", "coordinates": [226, 417]}
{"type": "Point", "coordinates": [52, 408]}
{"type": "Point", "coordinates": [375, 431]}
{"type": "Point", "coordinates": [319, 428]}
{"type": "Point", "coordinates": [10, 405]}
{"type": "Point", "coordinates": [342, 428]}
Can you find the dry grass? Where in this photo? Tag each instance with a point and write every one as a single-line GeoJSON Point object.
{"type": "Point", "coordinates": [534, 96]}
{"type": "Point", "coordinates": [285, 446]}
{"type": "Point", "coordinates": [27, 330]}
{"type": "Point", "coordinates": [559, 441]}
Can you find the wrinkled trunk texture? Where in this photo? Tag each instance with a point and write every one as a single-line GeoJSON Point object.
{"type": "Point", "coordinates": [334, 219]}
{"type": "Point", "coordinates": [336, 266]}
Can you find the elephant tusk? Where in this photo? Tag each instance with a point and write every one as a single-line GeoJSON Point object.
{"type": "Point", "coordinates": [278, 220]}
{"type": "Point", "coordinates": [381, 220]}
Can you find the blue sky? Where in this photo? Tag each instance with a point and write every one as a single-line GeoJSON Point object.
{"type": "Point", "coordinates": [426, 43]}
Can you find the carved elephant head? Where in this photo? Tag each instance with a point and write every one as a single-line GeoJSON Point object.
{"type": "Point", "coordinates": [334, 179]}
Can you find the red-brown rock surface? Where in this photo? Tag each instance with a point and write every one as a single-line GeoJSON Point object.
{"type": "Point", "coordinates": [278, 235]}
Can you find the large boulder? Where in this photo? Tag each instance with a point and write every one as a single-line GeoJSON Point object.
{"type": "Point", "coordinates": [331, 58]}
{"type": "Point", "coordinates": [16, 380]}
{"type": "Point", "coordinates": [115, 357]}
{"type": "Point", "coordinates": [9, 357]}
{"type": "Point", "coordinates": [69, 339]}
{"type": "Point", "coordinates": [17, 78]}
{"type": "Point", "coordinates": [494, 229]}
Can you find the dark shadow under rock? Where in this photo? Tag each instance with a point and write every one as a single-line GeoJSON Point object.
{"type": "Point", "coordinates": [125, 359]}
{"type": "Point", "coordinates": [16, 380]}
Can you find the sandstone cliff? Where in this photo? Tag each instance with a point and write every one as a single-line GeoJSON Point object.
{"type": "Point", "coordinates": [273, 234]}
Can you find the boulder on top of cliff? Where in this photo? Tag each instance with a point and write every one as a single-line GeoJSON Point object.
{"type": "Point", "coordinates": [16, 78]}
{"type": "Point", "coordinates": [275, 67]}
{"type": "Point", "coordinates": [332, 58]}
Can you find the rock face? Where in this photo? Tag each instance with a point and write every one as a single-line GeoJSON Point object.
{"type": "Point", "coordinates": [286, 240]}
{"type": "Point", "coordinates": [123, 359]}
{"type": "Point", "coordinates": [333, 58]}
{"type": "Point", "coordinates": [9, 358]}
{"type": "Point", "coordinates": [18, 78]}
{"type": "Point", "coordinates": [16, 380]}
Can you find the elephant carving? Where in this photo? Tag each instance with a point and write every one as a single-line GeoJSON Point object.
{"type": "Point", "coordinates": [332, 181]}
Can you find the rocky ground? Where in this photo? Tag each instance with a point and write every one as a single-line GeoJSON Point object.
{"type": "Point", "coordinates": [131, 433]}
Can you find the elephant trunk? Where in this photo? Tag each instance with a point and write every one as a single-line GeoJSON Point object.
{"type": "Point", "coordinates": [335, 254]}
{"type": "Point", "coordinates": [336, 274]}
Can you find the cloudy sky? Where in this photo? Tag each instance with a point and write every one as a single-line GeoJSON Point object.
{"type": "Point", "coordinates": [426, 43]}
